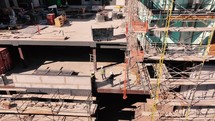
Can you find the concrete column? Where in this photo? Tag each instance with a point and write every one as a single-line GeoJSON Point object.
{"type": "Point", "coordinates": [94, 59]}
{"type": "Point", "coordinates": [22, 57]}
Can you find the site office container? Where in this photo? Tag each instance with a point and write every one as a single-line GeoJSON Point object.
{"type": "Point", "coordinates": [5, 60]}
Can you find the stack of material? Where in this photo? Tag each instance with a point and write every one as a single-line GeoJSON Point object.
{"type": "Point", "coordinates": [60, 20]}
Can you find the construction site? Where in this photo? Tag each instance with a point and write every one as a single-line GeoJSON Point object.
{"type": "Point", "coordinates": [107, 60]}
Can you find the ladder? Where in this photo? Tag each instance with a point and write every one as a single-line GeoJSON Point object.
{"type": "Point", "coordinates": [91, 58]}
{"type": "Point", "coordinates": [147, 79]}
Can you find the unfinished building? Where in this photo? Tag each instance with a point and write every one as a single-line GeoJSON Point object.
{"type": "Point", "coordinates": [177, 40]}
{"type": "Point", "coordinates": [161, 53]}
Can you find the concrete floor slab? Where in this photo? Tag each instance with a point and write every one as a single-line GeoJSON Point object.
{"type": "Point", "coordinates": [78, 32]}
{"type": "Point", "coordinates": [86, 68]}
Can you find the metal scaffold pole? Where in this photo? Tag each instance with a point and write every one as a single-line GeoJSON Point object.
{"type": "Point", "coordinates": [160, 72]}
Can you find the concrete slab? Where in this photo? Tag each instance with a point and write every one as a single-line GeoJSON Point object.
{"type": "Point", "coordinates": [78, 32]}
{"type": "Point", "coordinates": [85, 69]}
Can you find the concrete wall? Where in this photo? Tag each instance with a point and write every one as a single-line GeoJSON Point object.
{"type": "Point", "coordinates": [54, 82]}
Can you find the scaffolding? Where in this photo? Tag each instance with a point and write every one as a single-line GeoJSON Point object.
{"type": "Point", "coordinates": [184, 91]}
{"type": "Point", "coordinates": [56, 106]}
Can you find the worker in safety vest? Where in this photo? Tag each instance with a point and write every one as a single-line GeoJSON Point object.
{"type": "Point", "coordinates": [102, 71]}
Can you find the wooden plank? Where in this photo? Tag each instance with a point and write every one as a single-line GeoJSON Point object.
{"type": "Point", "coordinates": [192, 58]}
{"type": "Point", "coordinates": [14, 117]}
{"type": "Point", "coordinates": [187, 118]}
{"type": "Point", "coordinates": [200, 102]}
{"type": "Point", "coordinates": [147, 115]}
{"type": "Point", "coordinates": [43, 112]}
{"type": "Point", "coordinates": [42, 37]}
{"type": "Point", "coordinates": [138, 104]}
{"type": "Point", "coordinates": [183, 29]}
{"type": "Point", "coordinates": [128, 109]}
{"type": "Point", "coordinates": [47, 96]}
{"type": "Point", "coordinates": [53, 108]}
{"type": "Point", "coordinates": [13, 89]}
{"type": "Point", "coordinates": [193, 17]}
{"type": "Point", "coordinates": [184, 81]}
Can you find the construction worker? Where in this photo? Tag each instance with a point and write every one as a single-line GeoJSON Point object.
{"type": "Point", "coordinates": [111, 78]}
{"type": "Point", "coordinates": [102, 71]}
{"type": "Point", "coordinates": [93, 77]}
{"type": "Point", "coordinates": [93, 84]}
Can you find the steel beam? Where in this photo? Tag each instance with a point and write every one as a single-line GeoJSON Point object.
{"type": "Point", "coordinates": [119, 91]}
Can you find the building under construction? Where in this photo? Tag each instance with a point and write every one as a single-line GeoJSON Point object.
{"type": "Point", "coordinates": [107, 60]}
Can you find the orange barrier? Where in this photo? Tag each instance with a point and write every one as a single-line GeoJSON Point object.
{"type": "Point", "coordinates": [139, 26]}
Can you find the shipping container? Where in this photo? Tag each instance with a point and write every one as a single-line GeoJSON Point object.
{"type": "Point", "coordinates": [2, 67]}
{"type": "Point", "coordinates": [5, 60]}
